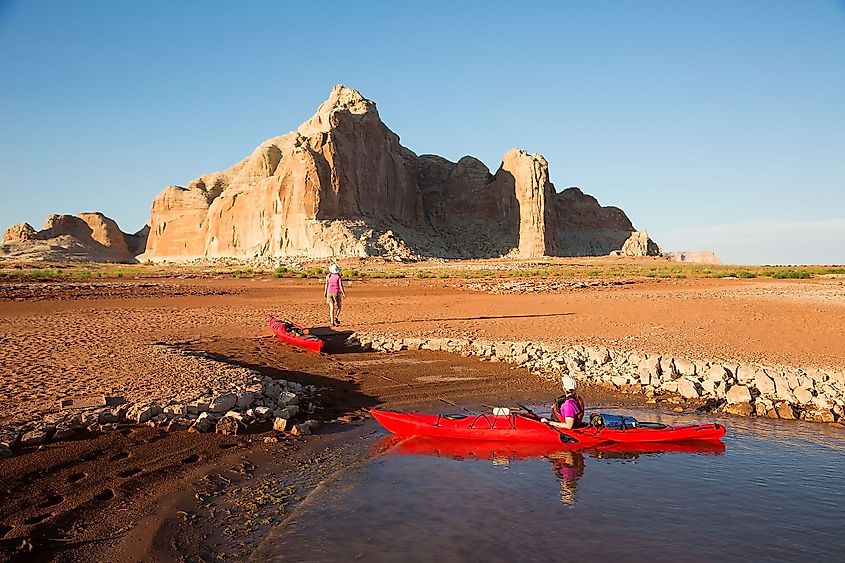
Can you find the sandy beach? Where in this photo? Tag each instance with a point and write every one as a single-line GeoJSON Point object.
{"type": "Point", "coordinates": [92, 497]}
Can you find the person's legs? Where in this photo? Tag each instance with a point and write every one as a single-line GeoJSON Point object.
{"type": "Point", "coordinates": [330, 302]}
{"type": "Point", "coordinates": [337, 307]}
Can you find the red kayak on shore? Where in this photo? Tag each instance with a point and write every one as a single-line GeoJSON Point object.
{"type": "Point", "coordinates": [295, 334]}
{"type": "Point", "coordinates": [523, 428]}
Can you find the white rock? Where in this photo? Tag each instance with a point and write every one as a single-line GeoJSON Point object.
{"type": "Point", "coordinates": [803, 395]}
{"type": "Point", "coordinates": [717, 373]}
{"type": "Point", "coordinates": [667, 368]}
{"type": "Point", "coordinates": [746, 374]}
{"type": "Point", "coordinates": [669, 386]}
{"type": "Point", "coordinates": [684, 367]}
{"type": "Point", "coordinates": [738, 394]}
{"type": "Point", "coordinates": [688, 388]}
{"type": "Point", "coordinates": [599, 356]}
{"type": "Point", "coordinates": [764, 383]}
{"type": "Point", "coordinates": [619, 380]}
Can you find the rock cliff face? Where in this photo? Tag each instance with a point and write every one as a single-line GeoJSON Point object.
{"type": "Point", "coordinates": [87, 236]}
{"type": "Point", "coordinates": [341, 184]}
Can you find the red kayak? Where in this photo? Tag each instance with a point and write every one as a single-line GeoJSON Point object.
{"type": "Point", "coordinates": [522, 428]}
{"type": "Point", "coordinates": [292, 333]}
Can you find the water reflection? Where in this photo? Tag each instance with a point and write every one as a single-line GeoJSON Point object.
{"type": "Point", "coordinates": [567, 462]}
{"type": "Point", "coordinates": [568, 467]}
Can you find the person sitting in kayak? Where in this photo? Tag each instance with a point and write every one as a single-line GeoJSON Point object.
{"type": "Point", "coordinates": [569, 407]}
{"type": "Point", "coordinates": [334, 293]}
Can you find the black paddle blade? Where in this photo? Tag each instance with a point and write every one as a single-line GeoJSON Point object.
{"type": "Point", "coordinates": [567, 439]}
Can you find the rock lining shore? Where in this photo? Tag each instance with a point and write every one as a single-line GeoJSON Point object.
{"type": "Point", "coordinates": [235, 397]}
{"type": "Point", "coordinates": [231, 398]}
{"type": "Point", "coordinates": [742, 389]}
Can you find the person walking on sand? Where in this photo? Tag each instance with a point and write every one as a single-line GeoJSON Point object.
{"type": "Point", "coordinates": [569, 407]}
{"type": "Point", "coordinates": [334, 293]}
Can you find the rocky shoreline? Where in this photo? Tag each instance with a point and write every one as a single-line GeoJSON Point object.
{"type": "Point", "coordinates": [242, 397]}
{"type": "Point", "coordinates": [742, 389]}
{"type": "Point", "coordinates": [230, 399]}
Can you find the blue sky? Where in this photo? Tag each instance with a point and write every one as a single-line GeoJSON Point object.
{"type": "Point", "coordinates": [714, 125]}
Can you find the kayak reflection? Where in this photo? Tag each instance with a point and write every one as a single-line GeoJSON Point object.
{"type": "Point", "coordinates": [567, 460]}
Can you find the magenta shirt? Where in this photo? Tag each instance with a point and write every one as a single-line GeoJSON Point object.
{"type": "Point", "coordinates": [334, 283]}
{"type": "Point", "coordinates": [571, 409]}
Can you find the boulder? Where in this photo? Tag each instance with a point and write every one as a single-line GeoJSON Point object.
{"type": "Point", "coordinates": [739, 409]}
{"type": "Point", "coordinates": [745, 374]}
{"type": "Point", "coordinates": [599, 356]}
{"type": "Point", "coordinates": [649, 370]}
{"type": "Point", "coordinates": [222, 403]}
{"type": "Point", "coordinates": [764, 383]}
{"type": "Point", "coordinates": [245, 399]}
{"type": "Point", "coordinates": [262, 412]}
{"type": "Point", "coordinates": [738, 394]}
{"type": "Point", "coordinates": [280, 424]}
{"type": "Point", "coordinates": [803, 396]}
{"type": "Point", "coordinates": [786, 411]}
{"type": "Point", "coordinates": [229, 425]}
{"type": "Point", "coordinates": [667, 368]}
{"type": "Point", "coordinates": [717, 373]}
{"type": "Point", "coordinates": [688, 389]}
{"type": "Point", "coordinates": [34, 437]}
{"type": "Point", "coordinates": [820, 415]}
{"type": "Point", "coordinates": [684, 367]}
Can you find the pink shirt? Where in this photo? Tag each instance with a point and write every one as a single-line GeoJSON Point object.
{"type": "Point", "coordinates": [571, 409]}
{"type": "Point", "coordinates": [333, 281]}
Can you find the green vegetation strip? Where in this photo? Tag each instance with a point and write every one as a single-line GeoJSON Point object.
{"type": "Point", "coordinates": [422, 270]}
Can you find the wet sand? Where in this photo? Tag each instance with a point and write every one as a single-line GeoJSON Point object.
{"type": "Point", "coordinates": [119, 495]}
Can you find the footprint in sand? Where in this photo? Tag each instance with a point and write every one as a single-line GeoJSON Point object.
{"type": "Point", "coordinates": [106, 495]}
{"type": "Point", "coordinates": [37, 519]}
{"type": "Point", "coordinates": [91, 455]}
{"type": "Point", "coordinates": [52, 500]}
{"type": "Point", "coordinates": [76, 477]}
{"type": "Point", "coordinates": [5, 529]}
{"type": "Point", "coordinates": [130, 472]}
{"type": "Point", "coordinates": [118, 456]}
{"type": "Point", "coordinates": [193, 458]}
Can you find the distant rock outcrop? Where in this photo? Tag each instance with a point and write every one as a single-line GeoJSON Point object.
{"type": "Point", "coordinates": [341, 184]}
{"type": "Point", "coordinates": [697, 257]}
{"type": "Point", "coordinates": [87, 237]}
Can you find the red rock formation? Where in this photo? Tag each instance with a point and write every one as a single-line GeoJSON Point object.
{"type": "Point", "coordinates": [341, 181]}
{"type": "Point", "coordinates": [87, 236]}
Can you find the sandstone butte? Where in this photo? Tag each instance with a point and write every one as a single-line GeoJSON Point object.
{"type": "Point", "coordinates": [342, 185]}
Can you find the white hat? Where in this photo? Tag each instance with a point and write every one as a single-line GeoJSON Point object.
{"type": "Point", "coordinates": [568, 382]}
{"type": "Point", "coordinates": [334, 268]}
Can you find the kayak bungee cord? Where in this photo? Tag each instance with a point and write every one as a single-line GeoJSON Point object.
{"type": "Point", "coordinates": [438, 398]}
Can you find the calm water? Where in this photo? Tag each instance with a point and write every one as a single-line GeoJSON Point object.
{"type": "Point", "coordinates": [776, 491]}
